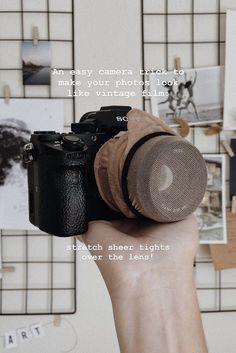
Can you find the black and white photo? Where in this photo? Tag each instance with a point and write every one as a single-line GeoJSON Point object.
{"type": "Point", "coordinates": [230, 72]}
{"type": "Point", "coordinates": [17, 121]}
{"type": "Point", "coordinates": [196, 96]}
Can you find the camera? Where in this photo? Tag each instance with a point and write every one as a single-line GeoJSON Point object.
{"type": "Point", "coordinates": [63, 194]}
{"type": "Point", "coordinates": [109, 166]}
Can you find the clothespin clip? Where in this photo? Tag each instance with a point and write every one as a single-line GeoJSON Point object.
{"type": "Point", "coordinates": [57, 320]}
{"type": "Point", "coordinates": [35, 35]}
{"type": "Point", "coordinates": [7, 93]}
{"type": "Point", "coordinates": [178, 63]}
{"type": "Point", "coordinates": [233, 204]}
{"type": "Point", "coordinates": [213, 129]}
{"type": "Point", "coordinates": [184, 126]}
{"type": "Point", "coordinates": [7, 269]}
{"type": "Point", "coordinates": [227, 147]}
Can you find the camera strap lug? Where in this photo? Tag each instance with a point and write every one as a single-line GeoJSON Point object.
{"type": "Point", "coordinates": [27, 153]}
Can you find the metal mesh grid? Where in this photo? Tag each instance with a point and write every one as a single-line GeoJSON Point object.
{"type": "Point", "coordinates": [23, 292]}
{"type": "Point", "coordinates": [193, 30]}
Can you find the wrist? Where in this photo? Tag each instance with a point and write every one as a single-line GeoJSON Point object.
{"type": "Point", "coordinates": [161, 316]}
{"type": "Point", "coordinates": [144, 283]}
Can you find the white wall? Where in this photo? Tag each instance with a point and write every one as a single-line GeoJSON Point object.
{"type": "Point", "coordinates": [107, 35]}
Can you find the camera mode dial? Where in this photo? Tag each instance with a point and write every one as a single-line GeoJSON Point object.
{"type": "Point", "coordinates": [73, 142]}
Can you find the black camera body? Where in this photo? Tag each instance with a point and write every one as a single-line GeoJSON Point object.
{"type": "Point", "coordinates": [63, 195]}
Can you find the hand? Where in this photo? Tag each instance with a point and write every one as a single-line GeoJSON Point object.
{"type": "Point", "coordinates": [154, 301]}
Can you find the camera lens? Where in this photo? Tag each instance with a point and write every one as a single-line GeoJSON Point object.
{"type": "Point", "coordinates": [73, 142]}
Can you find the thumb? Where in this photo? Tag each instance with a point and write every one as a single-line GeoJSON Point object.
{"type": "Point", "coordinates": [102, 232]}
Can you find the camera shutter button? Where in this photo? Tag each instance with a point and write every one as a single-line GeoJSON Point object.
{"type": "Point", "coordinates": [73, 142]}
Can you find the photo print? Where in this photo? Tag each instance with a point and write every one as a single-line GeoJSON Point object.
{"type": "Point", "coordinates": [196, 96]}
{"type": "Point", "coordinates": [230, 72]}
{"type": "Point", "coordinates": [211, 214]}
{"type": "Point", "coordinates": [36, 61]}
{"type": "Point", "coordinates": [17, 121]}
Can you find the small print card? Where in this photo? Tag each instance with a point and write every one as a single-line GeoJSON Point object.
{"type": "Point", "coordinates": [10, 340]}
{"type": "Point", "coordinates": [224, 256]}
{"type": "Point", "coordinates": [38, 330]}
{"type": "Point", "coordinates": [24, 334]}
{"type": "Point", "coordinates": [36, 61]}
{"type": "Point", "coordinates": [211, 213]}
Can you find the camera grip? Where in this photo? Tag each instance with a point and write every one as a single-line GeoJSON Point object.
{"type": "Point", "coordinates": [62, 208]}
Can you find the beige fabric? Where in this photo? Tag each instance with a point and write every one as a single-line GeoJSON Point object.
{"type": "Point", "coordinates": [110, 158]}
{"type": "Point", "coordinates": [100, 169]}
{"type": "Point", "coordinates": [141, 124]}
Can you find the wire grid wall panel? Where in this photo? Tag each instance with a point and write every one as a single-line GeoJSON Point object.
{"type": "Point", "coordinates": [44, 280]}
{"type": "Point", "coordinates": [193, 30]}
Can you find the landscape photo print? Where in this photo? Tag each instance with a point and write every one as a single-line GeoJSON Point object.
{"type": "Point", "coordinates": [36, 61]}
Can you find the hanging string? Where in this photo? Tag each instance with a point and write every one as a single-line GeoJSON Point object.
{"type": "Point", "coordinates": [75, 337]}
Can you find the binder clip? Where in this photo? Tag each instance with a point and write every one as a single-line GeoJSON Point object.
{"type": "Point", "coordinates": [7, 93]}
{"type": "Point", "coordinates": [35, 35]}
